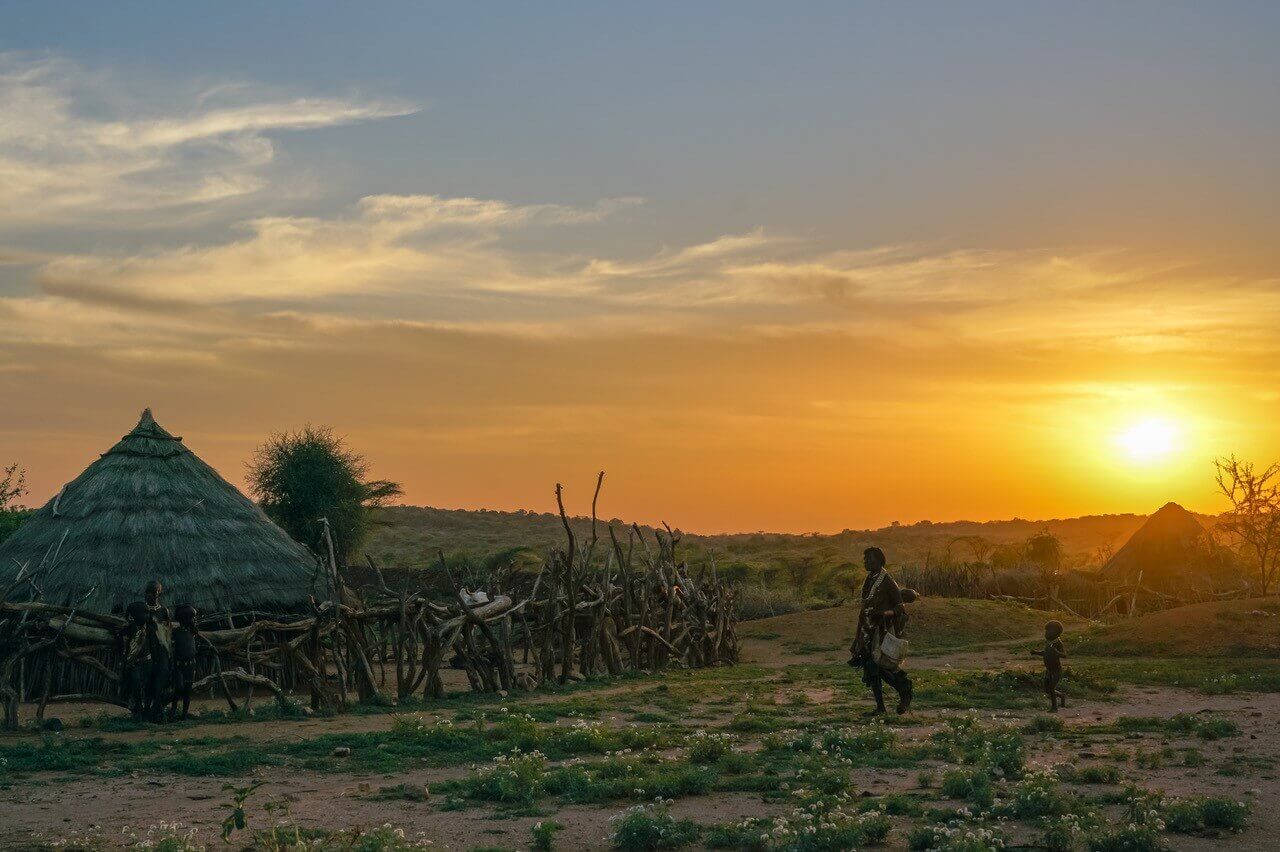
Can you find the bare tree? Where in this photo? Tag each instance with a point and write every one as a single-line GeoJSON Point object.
{"type": "Point", "coordinates": [1253, 522]}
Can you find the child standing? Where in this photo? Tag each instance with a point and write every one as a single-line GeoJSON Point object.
{"type": "Point", "coordinates": [1053, 653]}
{"type": "Point", "coordinates": [184, 658]}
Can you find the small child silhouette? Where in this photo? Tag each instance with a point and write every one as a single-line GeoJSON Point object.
{"type": "Point", "coordinates": [1053, 653]}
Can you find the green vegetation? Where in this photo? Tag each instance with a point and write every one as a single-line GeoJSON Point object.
{"type": "Point", "coordinates": [647, 827]}
{"type": "Point", "coordinates": [1225, 629]}
{"type": "Point", "coordinates": [13, 487]}
{"type": "Point", "coordinates": [937, 624]}
{"type": "Point", "coordinates": [300, 477]}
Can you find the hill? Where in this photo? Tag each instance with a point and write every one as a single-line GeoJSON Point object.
{"type": "Point", "coordinates": [937, 624]}
{"type": "Point", "coordinates": [412, 535]}
{"type": "Point", "coordinates": [1238, 628]}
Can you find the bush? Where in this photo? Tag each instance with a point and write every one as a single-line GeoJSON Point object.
{"type": "Point", "coordinates": [1219, 812]}
{"type": "Point", "coordinates": [1097, 773]}
{"type": "Point", "coordinates": [955, 838]}
{"type": "Point", "coordinates": [853, 742]}
{"type": "Point", "coordinates": [1038, 795]}
{"type": "Point", "coordinates": [1127, 838]}
{"type": "Point", "coordinates": [1183, 816]}
{"type": "Point", "coordinates": [705, 748]}
{"type": "Point", "coordinates": [1062, 835]}
{"type": "Point", "coordinates": [821, 825]}
{"type": "Point", "coordinates": [971, 785]}
{"type": "Point", "coordinates": [999, 749]}
{"type": "Point", "coordinates": [735, 763]}
{"type": "Point", "coordinates": [1046, 725]}
{"type": "Point", "coordinates": [648, 827]}
{"type": "Point", "coordinates": [511, 779]}
{"type": "Point", "coordinates": [956, 784]}
{"type": "Point", "coordinates": [543, 835]}
{"type": "Point", "coordinates": [761, 602]}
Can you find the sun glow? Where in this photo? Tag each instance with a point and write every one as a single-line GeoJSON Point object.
{"type": "Point", "coordinates": [1148, 441]}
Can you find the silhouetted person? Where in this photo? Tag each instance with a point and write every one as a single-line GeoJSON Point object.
{"type": "Point", "coordinates": [184, 658]}
{"type": "Point", "coordinates": [148, 654]}
{"type": "Point", "coordinates": [881, 612]}
{"type": "Point", "coordinates": [1053, 653]}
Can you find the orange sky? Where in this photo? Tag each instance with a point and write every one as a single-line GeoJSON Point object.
{"type": "Point", "coordinates": [767, 276]}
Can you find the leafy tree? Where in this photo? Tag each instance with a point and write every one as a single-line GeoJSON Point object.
{"type": "Point", "coordinates": [13, 487]}
{"type": "Point", "coordinates": [301, 477]}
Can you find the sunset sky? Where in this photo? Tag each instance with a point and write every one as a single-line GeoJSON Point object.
{"type": "Point", "coordinates": [792, 267]}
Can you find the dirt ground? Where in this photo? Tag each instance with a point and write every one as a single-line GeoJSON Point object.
{"type": "Point", "coordinates": [56, 805]}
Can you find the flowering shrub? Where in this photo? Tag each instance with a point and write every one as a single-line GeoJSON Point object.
{"type": "Point", "coordinates": [647, 827]}
{"type": "Point", "coordinates": [956, 837]}
{"type": "Point", "coordinates": [1127, 838]}
{"type": "Point", "coordinates": [705, 747]}
{"type": "Point", "coordinates": [513, 779]}
{"type": "Point", "coordinates": [1038, 795]}
{"type": "Point", "coordinates": [627, 775]}
{"type": "Point", "coordinates": [996, 748]}
{"type": "Point", "coordinates": [1063, 834]}
{"type": "Point", "coordinates": [1141, 830]}
{"type": "Point", "coordinates": [824, 824]}
{"type": "Point", "coordinates": [585, 737]}
{"type": "Point", "coordinates": [851, 742]}
{"type": "Point", "coordinates": [384, 838]}
{"type": "Point", "coordinates": [441, 734]}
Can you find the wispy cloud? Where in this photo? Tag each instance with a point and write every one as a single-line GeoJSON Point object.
{"type": "Point", "coordinates": [79, 145]}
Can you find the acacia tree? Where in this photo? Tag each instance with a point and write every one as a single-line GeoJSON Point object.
{"type": "Point", "coordinates": [300, 477]}
{"type": "Point", "coordinates": [1253, 522]}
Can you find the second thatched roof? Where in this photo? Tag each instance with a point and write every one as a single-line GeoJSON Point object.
{"type": "Point", "coordinates": [149, 508]}
{"type": "Point", "coordinates": [1171, 548]}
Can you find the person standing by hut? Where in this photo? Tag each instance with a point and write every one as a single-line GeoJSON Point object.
{"type": "Point", "coordinates": [185, 635]}
{"type": "Point", "coordinates": [881, 613]}
{"type": "Point", "coordinates": [149, 653]}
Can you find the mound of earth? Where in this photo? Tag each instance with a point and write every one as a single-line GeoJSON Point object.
{"type": "Point", "coordinates": [936, 624]}
{"type": "Point", "coordinates": [1238, 628]}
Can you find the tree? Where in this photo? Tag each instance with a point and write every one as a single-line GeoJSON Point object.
{"type": "Point", "coordinates": [301, 477]}
{"type": "Point", "coordinates": [802, 569]}
{"type": "Point", "coordinates": [1253, 522]}
{"type": "Point", "coordinates": [13, 487]}
{"type": "Point", "coordinates": [1044, 551]}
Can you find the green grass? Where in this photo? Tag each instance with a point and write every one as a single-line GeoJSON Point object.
{"type": "Point", "coordinates": [1227, 630]}
{"type": "Point", "coordinates": [408, 743]}
{"type": "Point", "coordinates": [1210, 676]}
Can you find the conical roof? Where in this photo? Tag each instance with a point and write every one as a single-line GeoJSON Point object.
{"type": "Point", "coordinates": [1171, 545]}
{"type": "Point", "coordinates": [149, 508]}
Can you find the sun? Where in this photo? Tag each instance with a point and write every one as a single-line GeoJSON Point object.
{"type": "Point", "coordinates": [1149, 441]}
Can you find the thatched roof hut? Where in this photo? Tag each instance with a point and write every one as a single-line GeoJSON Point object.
{"type": "Point", "coordinates": [150, 508]}
{"type": "Point", "coordinates": [1172, 549]}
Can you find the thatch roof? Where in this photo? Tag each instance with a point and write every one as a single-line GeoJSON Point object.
{"type": "Point", "coordinates": [1171, 548]}
{"type": "Point", "coordinates": [149, 508]}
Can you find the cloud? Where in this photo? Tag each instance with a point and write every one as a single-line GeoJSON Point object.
{"type": "Point", "coordinates": [393, 243]}
{"type": "Point", "coordinates": [77, 145]}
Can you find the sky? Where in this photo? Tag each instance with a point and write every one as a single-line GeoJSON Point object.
{"type": "Point", "coordinates": [796, 267]}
